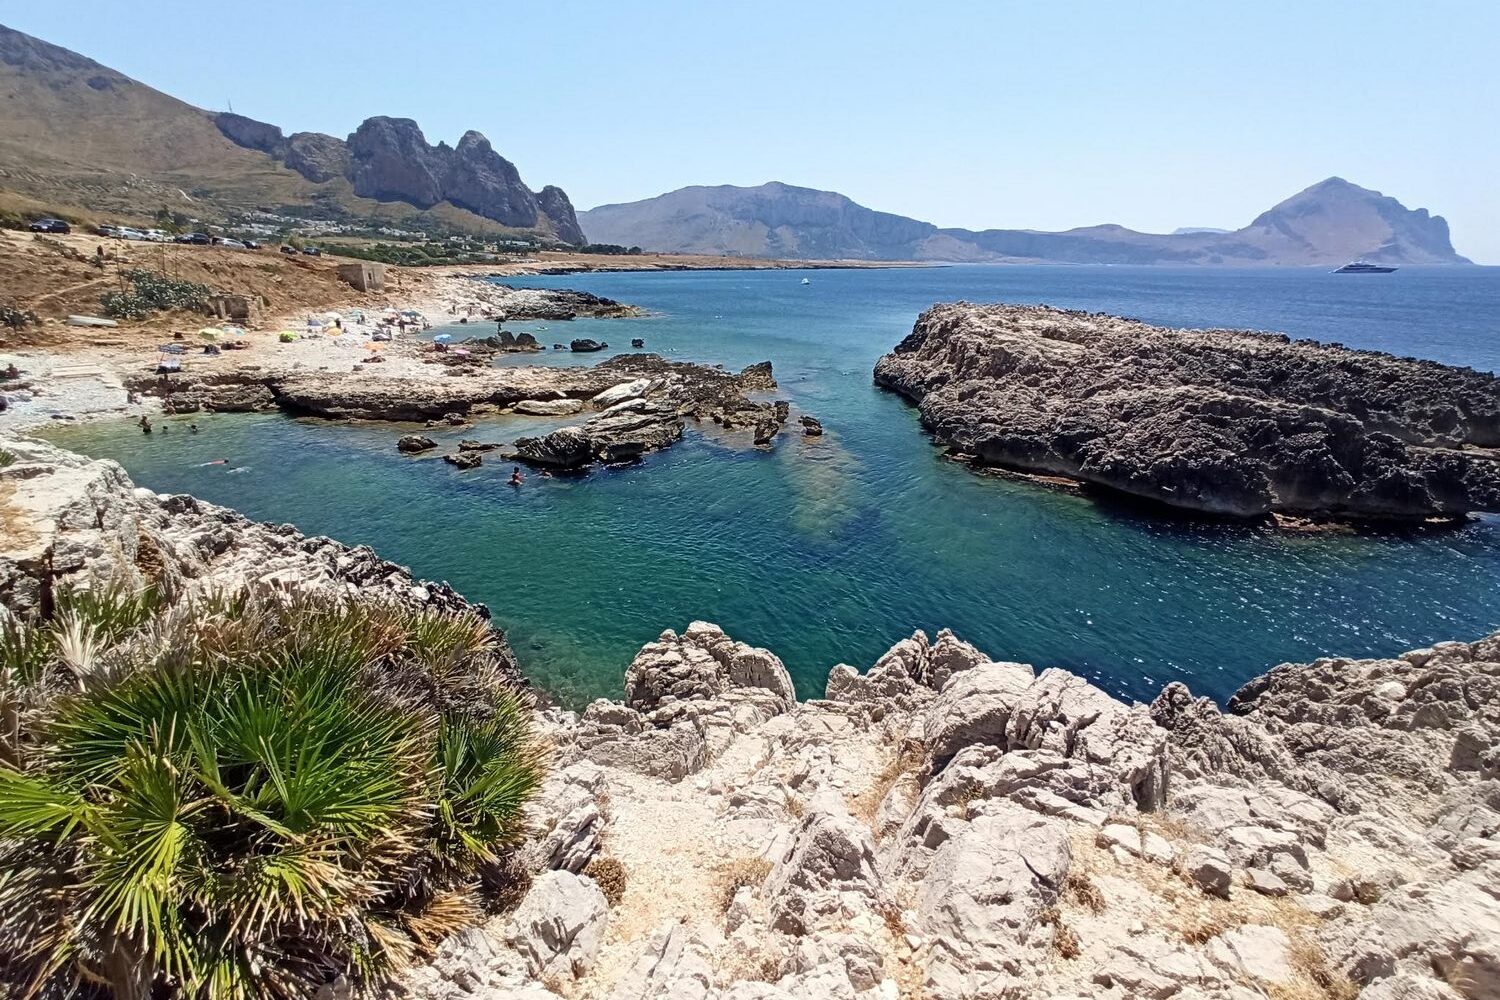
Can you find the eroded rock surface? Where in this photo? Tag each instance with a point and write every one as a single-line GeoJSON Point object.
{"type": "Point", "coordinates": [943, 825]}
{"type": "Point", "coordinates": [1223, 422]}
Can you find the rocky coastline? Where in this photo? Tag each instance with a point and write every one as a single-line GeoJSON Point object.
{"type": "Point", "coordinates": [1219, 422]}
{"type": "Point", "coordinates": [630, 404]}
{"type": "Point", "coordinates": [941, 825]}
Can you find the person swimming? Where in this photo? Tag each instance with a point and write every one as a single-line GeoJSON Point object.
{"type": "Point", "coordinates": [217, 461]}
{"type": "Point", "coordinates": [516, 478]}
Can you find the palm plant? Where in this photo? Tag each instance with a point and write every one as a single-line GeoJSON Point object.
{"type": "Point", "coordinates": [251, 810]}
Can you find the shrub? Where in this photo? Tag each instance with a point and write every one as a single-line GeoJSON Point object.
{"type": "Point", "coordinates": [610, 875]}
{"type": "Point", "coordinates": [739, 873]}
{"type": "Point", "coordinates": [151, 291]}
{"type": "Point", "coordinates": [15, 317]}
{"type": "Point", "coordinates": [258, 795]}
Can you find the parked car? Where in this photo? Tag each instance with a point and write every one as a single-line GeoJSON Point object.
{"type": "Point", "coordinates": [108, 230]}
{"type": "Point", "coordinates": [227, 243]}
{"type": "Point", "coordinates": [158, 236]}
{"type": "Point", "coordinates": [196, 239]}
{"type": "Point", "coordinates": [288, 249]}
{"type": "Point", "coordinates": [312, 251]}
{"type": "Point", "coordinates": [129, 233]}
{"type": "Point", "coordinates": [50, 225]}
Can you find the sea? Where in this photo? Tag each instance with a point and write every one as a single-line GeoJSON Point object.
{"type": "Point", "coordinates": [828, 550]}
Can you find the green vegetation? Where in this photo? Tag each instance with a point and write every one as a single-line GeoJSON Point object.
{"type": "Point", "coordinates": [246, 796]}
{"type": "Point", "coordinates": [6, 459]}
{"type": "Point", "coordinates": [608, 249]}
{"type": "Point", "coordinates": [151, 291]}
{"type": "Point", "coordinates": [417, 254]}
{"type": "Point", "coordinates": [15, 317]}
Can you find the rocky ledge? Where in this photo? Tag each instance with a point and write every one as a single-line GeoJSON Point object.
{"type": "Point", "coordinates": [651, 411]}
{"type": "Point", "coordinates": [66, 520]}
{"type": "Point", "coordinates": [639, 402]}
{"type": "Point", "coordinates": [1224, 422]}
{"type": "Point", "coordinates": [952, 827]}
{"type": "Point", "coordinates": [943, 825]}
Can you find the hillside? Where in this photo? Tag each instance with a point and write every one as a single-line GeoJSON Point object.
{"type": "Point", "coordinates": [1330, 223]}
{"type": "Point", "coordinates": [78, 135]}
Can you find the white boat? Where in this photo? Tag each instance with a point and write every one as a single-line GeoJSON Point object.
{"type": "Point", "coordinates": [807, 281]}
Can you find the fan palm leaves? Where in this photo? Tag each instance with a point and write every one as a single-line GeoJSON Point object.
{"type": "Point", "coordinates": [250, 811]}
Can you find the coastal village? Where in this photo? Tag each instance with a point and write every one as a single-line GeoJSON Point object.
{"type": "Point", "coordinates": [242, 760]}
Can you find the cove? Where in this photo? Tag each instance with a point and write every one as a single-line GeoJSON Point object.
{"type": "Point", "coordinates": [830, 549]}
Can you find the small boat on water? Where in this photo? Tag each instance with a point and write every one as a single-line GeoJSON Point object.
{"type": "Point", "coordinates": [1364, 267]}
{"type": "Point", "coordinates": [807, 281]}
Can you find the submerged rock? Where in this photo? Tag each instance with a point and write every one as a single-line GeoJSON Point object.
{"type": "Point", "coordinates": [412, 443]}
{"type": "Point", "coordinates": [583, 345]}
{"type": "Point", "coordinates": [464, 459]}
{"type": "Point", "coordinates": [1221, 422]}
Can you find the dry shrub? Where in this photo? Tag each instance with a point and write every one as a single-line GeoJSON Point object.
{"type": "Point", "coordinates": [1201, 926]}
{"type": "Point", "coordinates": [1317, 980]}
{"type": "Point", "coordinates": [864, 805]}
{"type": "Point", "coordinates": [505, 883]}
{"type": "Point", "coordinates": [610, 875]}
{"type": "Point", "coordinates": [894, 921]}
{"type": "Point", "coordinates": [739, 873]}
{"type": "Point", "coordinates": [1064, 938]}
{"type": "Point", "coordinates": [1081, 891]}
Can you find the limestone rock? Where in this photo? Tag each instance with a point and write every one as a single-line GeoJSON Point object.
{"type": "Point", "coordinates": [1224, 422]}
{"type": "Point", "coordinates": [412, 443]}
{"type": "Point", "coordinates": [559, 925]}
{"type": "Point", "coordinates": [548, 407]}
{"type": "Point", "coordinates": [983, 902]}
{"type": "Point", "coordinates": [1209, 869]}
{"type": "Point", "coordinates": [827, 872]}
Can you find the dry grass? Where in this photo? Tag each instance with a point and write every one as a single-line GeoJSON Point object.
{"type": "Point", "coordinates": [1064, 939]}
{"type": "Point", "coordinates": [1316, 979]}
{"type": "Point", "coordinates": [737, 874]}
{"type": "Point", "coordinates": [1080, 890]}
{"type": "Point", "coordinates": [611, 876]}
{"type": "Point", "coordinates": [906, 760]}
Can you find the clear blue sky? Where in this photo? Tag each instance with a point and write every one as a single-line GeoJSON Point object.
{"type": "Point", "coordinates": [1035, 115]}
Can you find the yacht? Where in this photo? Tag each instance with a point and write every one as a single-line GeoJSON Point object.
{"type": "Point", "coordinates": [1364, 267]}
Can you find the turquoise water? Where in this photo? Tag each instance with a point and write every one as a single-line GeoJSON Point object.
{"type": "Point", "coordinates": [831, 549]}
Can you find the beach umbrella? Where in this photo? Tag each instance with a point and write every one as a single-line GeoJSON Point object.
{"type": "Point", "coordinates": [442, 338]}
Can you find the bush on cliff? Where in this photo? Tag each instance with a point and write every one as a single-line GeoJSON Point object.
{"type": "Point", "coordinates": [246, 797]}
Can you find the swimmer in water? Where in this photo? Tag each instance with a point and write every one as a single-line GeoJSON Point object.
{"type": "Point", "coordinates": [217, 461]}
{"type": "Point", "coordinates": [516, 479]}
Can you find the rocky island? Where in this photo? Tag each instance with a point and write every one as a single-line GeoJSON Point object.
{"type": "Point", "coordinates": [1221, 422]}
{"type": "Point", "coordinates": [944, 824]}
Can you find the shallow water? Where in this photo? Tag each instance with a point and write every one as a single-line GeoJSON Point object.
{"type": "Point", "coordinates": [829, 550]}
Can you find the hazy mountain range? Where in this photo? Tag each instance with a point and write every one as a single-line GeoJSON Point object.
{"type": "Point", "coordinates": [1331, 222]}
{"type": "Point", "coordinates": [77, 135]}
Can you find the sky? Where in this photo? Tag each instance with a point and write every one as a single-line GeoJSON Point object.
{"type": "Point", "coordinates": [1152, 115]}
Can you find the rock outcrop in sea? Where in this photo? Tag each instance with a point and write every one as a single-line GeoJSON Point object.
{"type": "Point", "coordinates": [637, 403]}
{"type": "Point", "coordinates": [1224, 422]}
{"type": "Point", "coordinates": [942, 825]}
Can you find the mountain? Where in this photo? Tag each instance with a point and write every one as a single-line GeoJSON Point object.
{"type": "Point", "coordinates": [76, 133]}
{"type": "Point", "coordinates": [1330, 223]}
